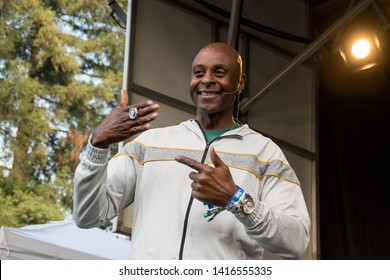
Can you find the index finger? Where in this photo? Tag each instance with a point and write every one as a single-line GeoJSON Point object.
{"type": "Point", "coordinates": [190, 162]}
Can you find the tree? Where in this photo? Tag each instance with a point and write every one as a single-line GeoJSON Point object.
{"type": "Point", "coordinates": [60, 66]}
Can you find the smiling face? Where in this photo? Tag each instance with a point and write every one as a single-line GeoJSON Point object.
{"type": "Point", "coordinates": [216, 70]}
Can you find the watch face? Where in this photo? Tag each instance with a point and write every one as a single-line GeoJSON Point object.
{"type": "Point", "coordinates": [247, 206]}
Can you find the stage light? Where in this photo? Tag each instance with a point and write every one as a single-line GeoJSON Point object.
{"type": "Point", "coordinates": [361, 51]}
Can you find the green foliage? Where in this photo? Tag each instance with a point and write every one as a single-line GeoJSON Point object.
{"type": "Point", "coordinates": [61, 67]}
{"type": "Point", "coordinates": [24, 207]}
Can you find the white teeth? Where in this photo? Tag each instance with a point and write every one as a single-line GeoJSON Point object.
{"type": "Point", "coordinates": [208, 93]}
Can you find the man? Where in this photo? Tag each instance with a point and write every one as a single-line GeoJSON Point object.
{"type": "Point", "coordinates": [207, 188]}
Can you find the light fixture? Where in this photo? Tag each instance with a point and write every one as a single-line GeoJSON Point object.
{"type": "Point", "coordinates": [361, 51]}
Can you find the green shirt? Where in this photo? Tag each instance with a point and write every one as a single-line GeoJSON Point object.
{"type": "Point", "coordinates": [212, 134]}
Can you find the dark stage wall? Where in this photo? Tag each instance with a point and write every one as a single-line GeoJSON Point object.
{"type": "Point", "coordinates": [354, 156]}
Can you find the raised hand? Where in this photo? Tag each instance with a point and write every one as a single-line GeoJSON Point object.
{"type": "Point", "coordinates": [118, 126]}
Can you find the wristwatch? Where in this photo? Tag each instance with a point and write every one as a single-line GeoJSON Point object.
{"type": "Point", "coordinates": [248, 205]}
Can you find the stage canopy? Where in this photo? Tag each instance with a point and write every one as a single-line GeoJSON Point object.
{"type": "Point", "coordinates": [61, 240]}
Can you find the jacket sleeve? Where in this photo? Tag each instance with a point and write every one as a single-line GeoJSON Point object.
{"type": "Point", "coordinates": [97, 198]}
{"type": "Point", "coordinates": [280, 221]}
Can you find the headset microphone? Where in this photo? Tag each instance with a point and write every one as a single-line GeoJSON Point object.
{"type": "Point", "coordinates": [237, 91]}
{"type": "Point", "coordinates": [233, 92]}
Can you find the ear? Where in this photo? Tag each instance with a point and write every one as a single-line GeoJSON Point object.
{"type": "Point", "coordinates": [241, 83]}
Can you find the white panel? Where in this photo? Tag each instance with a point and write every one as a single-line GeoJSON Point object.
{"type": "Point", "coordinates": [166, 41]}
{"type": "Point", "coordinates": [286, 112]}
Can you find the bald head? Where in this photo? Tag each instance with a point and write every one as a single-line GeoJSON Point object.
{"type": "Point", "coordinates": [227, 50]}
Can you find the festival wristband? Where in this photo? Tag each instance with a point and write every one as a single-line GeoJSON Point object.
{"type": "Point", "coordinates": [235, 202]}
{"type": "Point", "coordinates": [234, 205]}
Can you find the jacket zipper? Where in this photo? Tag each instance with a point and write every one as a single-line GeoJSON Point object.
{"type": "Point", "coordinates": [186, 218]}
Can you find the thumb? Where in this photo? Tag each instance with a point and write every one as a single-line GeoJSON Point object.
{"type": "Point", "coordinates": [215, 159]}
{"type": "Point", "coordinates": [124, 98]}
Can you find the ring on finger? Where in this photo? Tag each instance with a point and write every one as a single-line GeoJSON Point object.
{"type": "Point", "coordinates": [133, 113]}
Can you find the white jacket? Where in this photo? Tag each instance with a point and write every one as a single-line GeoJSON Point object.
{"type": "Point", "coordinates": [145, 172]}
